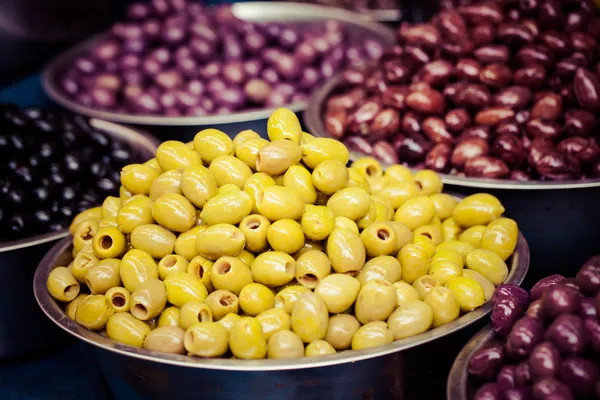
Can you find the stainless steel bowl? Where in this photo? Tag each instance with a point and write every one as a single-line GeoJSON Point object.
{"type": "Point", "coordinates": [559, 218]}
{"type": "Point", "coordinates": [372, 372]}
{"type": "Point", "coordinates": [460, 386]}
{"type": "Point", "coordinates": [24, 329]}
{"type": "Point", "coordinates": [184, 128]}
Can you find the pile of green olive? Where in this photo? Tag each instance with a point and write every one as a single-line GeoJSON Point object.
{"type": "Point", "coordinates": [275, 249]}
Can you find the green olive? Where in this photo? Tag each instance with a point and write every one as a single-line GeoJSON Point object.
{"type": "Point", "coordinates": [379, 239]}
{"type": "Point", "coordinates": [230, 273]}
{"type": "Point", "coordinates": [89, 214]}
{"type": "Point", "coordinates": [357, 179]}
{"type": "Point", "coordinates": [444, 270]}
{"type": "Point", "coordinates": [488, 264]}
{"type": "Point", "coordinates": [126, 329]}
{"type": "Point", "coordinates": [242, 136]}
{"type": "Point", "coordinates": [278, 202]}
{"type": "Point", "coordinates": [372, 334]}
{"type": "Point", "coordinates": [83, 262]}
{"type": "Point", "coordinates": [460, 247]}
{"type": "Point", "coordinates": [352, 203]}
{"type": "Point", "coordinates": [297, 177]}
{"type": "Point", "coordinates": [381, 267]}
{"type": "Point", "coordinates": [274, 320]}
{"type": "Point", "coordinates": [399, 173]}
{"type": "Point", "coordinates": [424, 284]}
{"type": "Point", "coordinates": [71, 307]}
{"type": "Point", "coordinates": [247, 151]}
{"type": "Point", "coordinates": [229, 321]}
{"type": "Point", "coordinates": [206, 339]}
{"type": "Point", "coordinates": [167, 182]}
{"type": "Point", "coordinates": [488, 287]}
{"type": "Point", "coordinates": [169, 317]}
{"type": "Point", "coordinates": [273, 268]}
{"type": "Point", "coordinates": [410, 319]}
{"type": "Point", "coordinates": [230, 170]}
{"type": "Point", "coordinates": [477, 209]}
{"type": "Point", "coordinates": [501, 236]}
{"type": "Point", "coordinates": [443, 304]}
{"type": "Point", "coordinates": [171, 263]}
{"type": "Point", "coordinates": [432, 231]}
{"type": "Point", "coordinates": [228, 208]}
{"type": "Point", "coordinates": [444, 204]}
{"type": "Point", "coordinates": [93, 312]}
{"type": "Point", "coordinates": [473, 235]}
{"type": "Point", "coordinates": [149, 299]}
{"type": "Point", "coordinates": [330, 176]}
{"type": "Point", "coordinates": [345, 223]}
{"type": "Point", "coordinates": [384, 210]}
{"type": "Point", "coordinates": [405, 293]}
{"type": "Point", "coordinates": [62, 285]}
{"type": "Point", "coordinates": [255, 228]}
{"type": "Point", "coordinates": [450, 230]}
{"type": "Point", "coordinates": [136, 267]}
{"type": "Point", "coordinates": [154, 240]}
{"type": "Point", "coordinates": [194, 312]}
{"type": "Point", "coordinates": [221, 303]}
{"type": "Point", "coordinates": [212, 143]}
{"type": "Point", "coordinates": [399, 192]}
{"type": "Point", "coordinates": [198, 185]}
{"type": "Point", "coordinates": [429, 181]}
{"type": "Point", "coordinates": [255, 184]}
{"type": "Point", "coordinates": [376, 301]}
{"type": "Point", "coordinates": [405, 235]}
{"type": "Point", "coordinates": [287, 297]}
{"type": "Point", "coordinates": [220, 240]}
{"type": "Point", "coordinates": [175, 155]}
{"type": "Point", "coordinates": [182, 288]}
{"type": "Point", "coordinates": [110, 207]}
{"type": "Point", "coordinates": [256, 298]}
{"type": "Point", "coordinates": [318, 348]}
{"type": "Point", "coordinates": [308, 245]}
{"type": "Point", "coordinates": [311, 267]}
{"type": "Point", "coordinates": [246, 339]}
{"type": "Point", "coordinates": [468, 292]}
{"type": "Point", "coordinates": [415, 212]}
{"type": "Point", "coordinates": [174, 212]}
{"type": "Point", "coordinates": [276, 157]}
{"type": "Point", "coordinates": [185, 244]}
{"type": "Point", "coordinates": [103, 276]}
{"type": "Point", "coordinates": [166, 339]}
{"type": "Point", "coordinates": [377, 183]}
{"type": "Point", "coordinates": [414, 261]}
{"type": "Point", "coordinates": [346, 251]}
{"type": "Point", "coordinates": [369, 217]}
{"type": "Point", "coordinates": [137, 178]}
{"type": "Point", "coordinates": [338, 291]}
{"type": "Point", "coordinates": [137, 211]}
{"type": "Point", "coordinates": [285, 235]}
{"type": "Point", "coordinates": [340, 330]}
{"type": "Point", "coordinates": [310, 317]}
{"type": "Point", "coordinates": [284, 124]}
{"type": "Point", "coordinates": [285, 344]}
{"type": "Point", "coordinates": [317, 222]}
{"type": "Point", "coordinates": [369, 166]}
{"type": "Point", "coordinates": [317, 150]}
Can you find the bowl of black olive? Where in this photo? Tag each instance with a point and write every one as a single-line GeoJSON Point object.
{"type": "Point", "coordinates": [53, 166]}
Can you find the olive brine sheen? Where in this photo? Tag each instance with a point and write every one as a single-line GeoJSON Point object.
{"type": "Point", "coordinates": [253, 248]}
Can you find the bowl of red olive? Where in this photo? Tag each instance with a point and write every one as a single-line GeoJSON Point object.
{"type": "Point", "coordinates": [541, 344]}
{"type": "Point", "coordinates": [174, 67]}
{"type": "Point", "coordinates": [496, 95]}
{"type": "Point", "coordinates": [54, 166]}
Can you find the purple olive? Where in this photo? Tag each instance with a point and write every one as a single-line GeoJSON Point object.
{"type": "Point", "coordinates": [518, 394]}
{"type": "Point", "coordinates": [522, 374]}
{"type": "Point", "coordinates": [592, 329]}
{"type": "Point", "coordinates": [588, 277]}
{"type": "Point", "coordinates": [579, 374]}
{"type": "Point", "coordinates": [567, 333]}
{"type": "Point", "coordinates": [489, 391]}
{"type": "Point", "coordinates": [547, 387]}
{"type": "Point", "coordinates": [535, 310]}
{"type": "Point", "coordinates": [505, 312]}
{"type": "Point", "coordinates": [538, 289]}
{"type": "Point", "coordinates": [506, 377]}
{"type": "Point", "coordinates": [587, 308]}
{"type": "Point", "coordinates": [486, 361]}
{"type": "Point", "coordinates": [560, 299]}
{"type": "Point", "coordinates": [544, 360]}
{"type": "Point", "coordinates": [509, 290]}
{"type": "Point", "coordinates": [525, 334]}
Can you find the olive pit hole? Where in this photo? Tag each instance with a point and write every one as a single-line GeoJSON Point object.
{"type": "Point", "coordinates": [351, 273]}
{"type": "Point", "coordinates": [139, 311]}
{"type": "Point", "coordinates": [419, 185]}
{"type": "Point", "coordinates": [204, 316]}
{"type": "Point", "coordinates": [118, 300]}
{"type": "Point", "coordinates": [200, 272]}
{"type": "Point", "coordinates": [170, 262]}
{"type": "Point", "coordinates": [383, 234]}
{"type": "Point", "coordinates": [87, 235]}
{"type": "Point", "coordinates": [227, 300]}
{"type": "Point", "coordinates": [253, 224]}
{"type": "Point", "coordinates": [290, 268]}
{"type": "Point", "coordinates": [71, 291]}
{"type": "Point", "coordinates": [106, 242]}
{"type": "Point", "coordinates": [371, 170]}
{"type": "Point", "coordinates": [309, 280]}
{"type": "Point", "coordinates": [223, 268]}
{"type": "Point", "coordinates": [427, 234]}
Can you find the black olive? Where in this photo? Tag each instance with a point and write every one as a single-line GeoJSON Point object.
{"type": "Point", "coordinates": [100, 139]}
{"type": "Point", "coordinates": [68, 193]}
{"type": "Point", "coordinates": [42, 217]}
{"type": "Point", "coordinates": [17, 224]}
{"type": "Point", "coordinates": [107, 186]}
{"type": "Point", "coordinates": [41, 195]}
{"type": "Point", "coordinates": [65, 212]}
{"type": "Point", "coordinates": [72, 164]}
{"type": "Point", "coordinates": [46, 150]}
{"type": "Point", "coordinates": [15, 198]}
{"type": "Point", "coordinates": [32, 112]}
{"type": "Point", "coordinates": [56, 178]}
{"type": "Point", "coordinates": [120, 156]}
{"type": "Point", "coordinates": [17, 142]}
{"type": "Point", "coordinates": [97, 170]}
{"type": "Point", "coordinates": [55, 227]}
{"type": "Point", "coordinates": [23, 175]}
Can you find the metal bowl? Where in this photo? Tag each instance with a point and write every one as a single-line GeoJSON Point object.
{"type": "Point", "coordinates": [184, 128]}
{"type": "Point", "coordinates": [460, 386]}
{"type": "Point", "coordinates": [24, 328]}
{"type": "Point", "coordinates": [554, 215]}
{"type": "Point", "coordinates": [350, 374]}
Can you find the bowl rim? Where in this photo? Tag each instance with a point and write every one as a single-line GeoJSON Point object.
{"type": "Point", "coordinates": [250, 11]}
{"type": "Point", "coordinates": [519, 265]}
{"type": "Point", "coordinates": [456, 388]}
{"type": "Point", "coordinates": [314, 124]}
{"type": "Point", "coordinates": [135, 137]}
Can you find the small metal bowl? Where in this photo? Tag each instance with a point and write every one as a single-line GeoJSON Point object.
{"type": "Point", "coordinates": [350, 374]}
{"type": "Point", "coordinates": [553, 215]}
{"type": "Point", "coordinates": [184, 128]}
{"type": "Point", "coordinates": [460, 386]}
{"type": "Point", "coordinates": [24, 328]}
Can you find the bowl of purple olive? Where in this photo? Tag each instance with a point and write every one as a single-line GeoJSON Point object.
{"type": "Point", "coordinates": [542, 344]}
{"type": "Point", "coordinates": [174, 67]}
{"type": "Point", "coordinates": [54, 166]}
{"type": "Point", "coordinates": [502, 96]}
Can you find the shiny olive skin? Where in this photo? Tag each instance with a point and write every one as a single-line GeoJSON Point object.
{"type": "Point", "coordinates": [119, 298]}
{"type": "Point", "coordinates": [317, 150]}
{"type": "Point", "coordinates": [477, 209]}
{"type": "Point", "coordinates": [398, 192]}
{"type": "Point", "coordinates": [444, 204]}
{"type": "Point", "coordinates": [228, 321]}
{"type": "Point", "coordinates": [137, 178]}
{"type": "Point", "coordinates": [254, 186]}
{"type": "Point", "coordinates": [330, 176]}
{"type": "Point", "coordinates": [104, 276]}
{"type": "Point", "coordinates": [110, 207]}
{"type": "Point", "coordinates": [194, 312]}
{"type": "Point", "coordinates": [230, 273]}
{"type": "Point", "coordinates": [149, 299]}
{"type": "Point", "coordinates": [256, 298]}
{"type": "Point", "coordinates": [375, 302]}
{"type": "Point", "coordinates": [429, 181]}
{"type": "Point", "coordinates": [171, 263]}
{"type": "Point", "coordinates": [174, 212]}
{"type": "Point", "coordinates": [372, 334]}
{"type": "Point", "coordinates": [108, 242]}
{"type": "Point", "coordinates": [71, 307]}
{"type": "Point", "coordinates": [198, 185]}
{"type": "Point", "coordinates": [273, 268]}
{"type": "Point", "coordinates": [310, 317]}
{"type": "Point", "coordinates": [285, 235]}
{"type": "Point", "coordinates": [317, 222]}
{"type": "Point", "coordinates": [357, 179]}
{"type": "Point", "coordinates": [242, 136]}
{"type": "Point", "coordinates": [284, 124]}
{"type": "Point", "coordinates": [431, 231]}
{"type": "Point", "coordinates": [468, 292]}
{"type": "Point", "coordinates": [346, 251]}
{"type": "Point", "coordinates": [246, 339]}
{"type": "Point", "coordinates": [379, 239]}
{"type": "Point", "coordinates": [449, 255]}
{"type": "Point", "coordinates": [345, 223]}
{"type": "Point", "coordinates": [220, 240]}
{"type": "Point", "coordinates": [473, 235]}
{"type": "Point", "coordinates": [221, 303]}
{"type": "Point", "coordinates": [319, 348]}
{"type": "Point", "coordinates": [274, 320]}
{"type": "Point", "coordinates": [255, 228]}
{"type": "Point", "coordinates": [299, 178]}
{"type": "Point", "coordinates": [311, 268]}
{"type": "Point", "coordinates": [460, 247]}
{"type": "Point", "coordinates": [285, 344]}
{"type": "Point", "coordinates": [229, 170]}
{"type": "Point", "coordinates": [340, 330]}
{"type": "Point", "coordinates": [200, 268]}
{"type": "Point", "coordinates": [381, 267]}
{"type": "Point", "coordinates": [410, 319]}
{"type": "Point", "coordinates": [369, 166]}
{"type": "Point", "coordinates": [126, 329]}
{"type": "Point", "coordinates": [488, 264]}
{"type": "Point", "coordinates": [212, 143]}
{"type": "Point", "coordinates": [501, 236]}
{"type": "Point", "coordinates": [352, 203]}
{"type": "Point", "coordinates": [405, 235]}
{"type": "Point", "coordinates": [136, 267]}
{"type": "Point", "coordinates": [277, 157]}
{"type": "Point", "coordinates": [174, 155]}
{"type": "Point", "coordinates": [137, 211]}
{"type": "Point", "coordinates": [62, 285]}
{"type": "Point", "coordinates": [444, 270]}
{"type": "Point", "coordinates": [93, 312]}
{"type": "Point", "coordinates": [278, 202]}
{"type": "Point", "coordinates": [89, 214]}
{"type": "Point", "coordinates": [338, 291]}
{"type": "Point", "coordinates": [83, 262]}
{"type": "Point", "coordinates": [399, 173]}
{"type": "Point", "coordinates": [488, 287]}
{"type": "Point", "coordinates": [167, 182]}
{"type": "Point", "coordinates": [182, 288]}
{"type": "Point", "coordinates": [443, 304]}
{"type": "Point", "coordinates": [247, 151]}
{"type": "Point", "coordinates": [450, 230]}
{"type": "Point", "coordinates": [414, 261]}
{"type": "Point", "coordinates": [154, 240]}
{"type": "Point", "coordinates": [425, 284]}
{"type": "Point", "coordinates": [287, 297]}
{"type": "Point", "coordinates": [169, 317]}
{"type": "Point", "coordinates": [185, 244]}
{"type": "Point", "coordinates": [206, 339]}
{"type": "Point", "coordinates": [415, 212]}
{"type": "Point", "coordinates": [166, 339]}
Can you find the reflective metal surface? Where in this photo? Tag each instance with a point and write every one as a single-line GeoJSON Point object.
{"type": "Point", "coordinates": [23, 328]}
{"type": "Point", "coordinates": [458, 386]}
{"type": "Point", "coordinates": [349, 373]}
{"type": "Point", "coordinates": [559, 218]}
{"type": "Point", "coordinates": [360, 28]}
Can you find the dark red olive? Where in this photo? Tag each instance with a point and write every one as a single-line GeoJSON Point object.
{"type": "Point", "coordinates": [469, 95]}
{"type": "Point", "coordinates": [506, 377]}
{"type": "Point", "coordinates": [435, 130]}
{"type": "Point", "coordinates": [519, 175]}
{"type": "Point", "coordinates": [514, 97]}
{"type": "Point", "coordinates": [586, 150]}
{"type": "Point", "coordinates": [385, 123]}
{"type": "Point", "coordinates": [544, 388]}
{"type": "Point", "coordinates": [467, 69]}
{"type": "Point", "coordinates": [514, 33]}
{"type": "Point", "coordinates": [522, 374]}
{"type": "Point", "coordinates": [558, 166]}
{"type": "Point", "coordinates": [518, 394]}
{"type": "Point", "coordinates": [539, 148]}
{"type": "Point", "coordinates": [481, 132]}
{"type": "Point", "coordinates": [486, 361]}
{"type": "Point", "coordinates": [592, 330]}
{"type": "Point", "coordinates": [427, 101]}
{"type": "Point", "coordinates": [422, 35]}
{"type": "Point", "coordinates": [557, 42]}
{"type": "Point", "coordinates": [567, 67]}
{"type": "Point", "coordinates": [579, 122]}
{"type": "Point", "coordinates": [579, 374]}
{"type": "Point", "coordinates": [452, 25]}
{"type": "Point", "coordinates": [359, 145]}
{"type": "Point", "coordinates": [493, 115]}
{"type": "Point", "coordinates": [438, 158]}
{"type": "Point", "coordinates": [560, 299]}
{"type": "Point", "coordinates": [567, 333]}
{"type": "Point", "coordinates": [468, 149]}
{"type": "Point", "coordinates": [535, 310]}
{"type": "Point", "coordinates": [525, 334]}
{"type": "Point", "coordinates": [509, 149]}
{"type": "Point", "coordinates": [587, 308]}
{"type": "Point", "coordinates": [489, 391]}
{"type": "Point", "coordinates": [588, 277]}
{"type": "Point", "coordinates": [395, 96]}
{"type": "Point", "coordinates": [411, 123]}
{"type": "Point", "coordinates": [492, 53]}
{"type": "Point", "coordinates": [436, 73]}
{"type": "Point", "coordinates": [535, 55]}
{"type": "Point", "coordinates": [457, 120]}
{"type": "Point", "coordinates": [495, 75]}
{"type": "Point", "coordinates": [336, 122]}
{"type": "Point", "coordinates": [543, 129]}
{"type": "Point", "coordinates": [395, 72]}
{"type": "Point", "coordinates": [544, 360]}
{"type": "Point", "coordinates": [385, 152]}
{"type": "Point", "coordinates": [508, 127]}
{"type": "Point", "coordinates": [413, 148]}
{"type": "Point", "coordinates": [531, 76]}
{"type": "Point", "coordinates": [583, 42]}
{"type": "Point", "coordinates": [549, 106]}
{"type": "Point", "coordinates": [587, 89]}
{"type": "Point", "coordinates": [505, 313]}
{"type": "Point", "coordinates": [482, 13]}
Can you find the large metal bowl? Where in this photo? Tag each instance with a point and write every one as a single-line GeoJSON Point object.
{"type": "Point", "coordinates": [24, 329]}
{"type": "Point", "coordinates": [559, 218]}
{"type": "Point", "coordinates": [184, 128]}
{"type": "Point", "coordinates": [460, 386]}
{"type": "Point", "coordinates": [131, 371]}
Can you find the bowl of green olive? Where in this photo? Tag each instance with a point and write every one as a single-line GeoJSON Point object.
{"type": "Point", "coordinates": [272, 264]}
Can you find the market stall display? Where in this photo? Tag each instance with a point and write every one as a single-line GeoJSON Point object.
{"type": "Point", "coordinates": [542, 344]}
{"type": "Point", "coordinates": [50, 173]}
{"type": "Point", "coordinates": [316, 257]}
